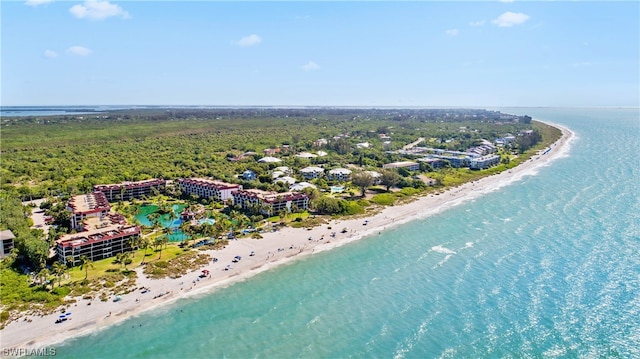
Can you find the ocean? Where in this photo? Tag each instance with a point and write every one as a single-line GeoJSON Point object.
{"type": "Point", "coordinates": [548, 266]}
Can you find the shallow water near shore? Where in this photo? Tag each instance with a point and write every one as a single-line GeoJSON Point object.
{"type": "Point", "coordinates": [547, 266]}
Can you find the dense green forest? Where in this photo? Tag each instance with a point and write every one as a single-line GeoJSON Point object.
{"type": "Point", "coordinates": [69, 154]}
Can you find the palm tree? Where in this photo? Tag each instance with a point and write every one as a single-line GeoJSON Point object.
{"type": "Point", "coordinates": [185, 227]}
{"type": "Point", "coordinates": [160, 241]}
{"type": "Point", "coordinates": [222, 224]}
{"type": "Point", "coordinates": [70, 261]}
{"type": "Point", "coordinates": [85, 263]}
{"type": "Point", "coordinates": [119, 258]}
{"type": "Point", "coordinates": [143, 243]}
{"type": "Point", "coordinates": [59, 270]}
{"type": "Point", "coordinates": [166, 233]}
{"type": "Point", "coordinates": [241, 219]}
{"type": "Point", "coordinates": [42, 276]}
{"type": "Point", "coordinates": [125, 258]}
{"type": "Point", "coordinates": [172, 214]}
{"type": "Point", "coordinates": [208, 229]}
{"type": "Point", "coordinates": [154, 218]}
{"type": "Point", "coordinates": [155, 221]}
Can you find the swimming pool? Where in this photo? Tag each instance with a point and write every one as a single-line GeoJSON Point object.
{"type": "Point", "coordinates": [207, 221]}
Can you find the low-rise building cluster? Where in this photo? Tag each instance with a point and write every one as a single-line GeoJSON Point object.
{"type": "Point", "coordinates": [102, 234]}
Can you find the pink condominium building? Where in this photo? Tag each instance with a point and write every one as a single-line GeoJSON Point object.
{"type": "Point", "coordinates": [126, 191]}
{"type": "Point", "coordinates": [96, 244]}
{"type": "Point", "coordinates": [270, 203]}
{"type": "Point", "coordinates": [87, 205]}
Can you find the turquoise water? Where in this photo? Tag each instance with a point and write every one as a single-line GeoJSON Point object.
{"type": "Point", "coordinates": [546, 267]}
{"type": "Point", "coordinates": [165, 220]}
{"type": "Point", "coordinates": [207, 221]}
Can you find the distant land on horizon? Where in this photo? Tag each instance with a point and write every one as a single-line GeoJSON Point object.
{"type": "Point", "coordinates": [73, 108]}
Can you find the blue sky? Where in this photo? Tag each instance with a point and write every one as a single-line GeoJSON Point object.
{"type": "Point", "coordinates": [318, 53]}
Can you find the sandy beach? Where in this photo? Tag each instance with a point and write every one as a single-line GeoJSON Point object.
{"type": "Point", "coordinates": [274, 249]}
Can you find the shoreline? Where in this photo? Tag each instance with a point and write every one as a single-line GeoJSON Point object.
{"type": "Point", "coordinates": [273, 250]}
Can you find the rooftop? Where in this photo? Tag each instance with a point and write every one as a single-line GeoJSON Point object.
{"type": "Point", "coordinates": [96, 235]}
{"type": "Point", "coordinates": [209, 182]}
{"type": "Point", "coordinates": [91, 202]}
{"type": "Point", "coordinates": [127, 184]}
{"type": "Point", "coordinates": [6, 234]}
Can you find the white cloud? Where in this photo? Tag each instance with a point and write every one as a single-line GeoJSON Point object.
{"type": "Point", "coordinates": [509, 19]}
{"type": "Point", "coordinates": [35, 3]}
{"type": "Point", "coordinates": [477, 23]}
{"type": "Point", "coordinates": [78, 51]}
{"type": "Point", "coordinates": [97, 10]}
{"type": "Point", "coordinates": [310, 66]}
{"type": "Point", "coordinates": [452, 32]}
{"type": "Point", "coordinates": [250, 40]}
{"type": "Point", "coordinates": [50, 54]}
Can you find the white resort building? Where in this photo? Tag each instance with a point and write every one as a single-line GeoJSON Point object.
{"type": "Point", "coordinates": [411, 166]}
{"type": "Point", "coordinates": [6, 242]}
{"type": "Point", "coordinates": [484, 162]}
{"type": "Point", "coordinates": [206, 188]}
{"type": "Point", "coordinates": [312, 172]}
{"type": "Point", "coordinates": [270, 203]}
{"type": "Point", "coordinates": [339, 174]}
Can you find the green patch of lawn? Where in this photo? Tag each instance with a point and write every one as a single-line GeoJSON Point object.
{"type": "Point", "coordinates": [102, 267]}
{"type": "Point", "coordinates": [384, 199]}
{"type": "Point", "coordinates": [177, 266]}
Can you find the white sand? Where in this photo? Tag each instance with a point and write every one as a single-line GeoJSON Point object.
{"type": "Point", "coordinates": [294, 243]}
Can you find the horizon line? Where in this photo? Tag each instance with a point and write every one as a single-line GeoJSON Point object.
{"type": "Point", "coordinates": [140, 106]}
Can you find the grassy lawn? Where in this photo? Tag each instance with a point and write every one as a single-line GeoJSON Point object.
{"type": "Point", "coordinates": [101, 267]}
{"type": "Point", "coordinates": [291, 217]}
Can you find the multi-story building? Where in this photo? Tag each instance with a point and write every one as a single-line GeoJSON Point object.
{"type": "Point", "coordinates": [339, 174]}
{"type": "Point", "coordinates": [126, 191]}
{"type": "Point", "coordinates": [87, 205]}
{"type": "Point", "coordinates": [483, 162]}
{"type": "Point", "coordinates": [206, 188]}
{"type": "Point", "coordinates": [455, 161]}
{"type": "Point", "coordinates": [312, 172]}
{"type": "Point", "coordinates": [6, 242]}
{"type": "Point", "coordinates": [411, 166]}
{"type": "Point", "coordinates": [96, 244]}
{"type": "Point", "coordinates": [270, 203]}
